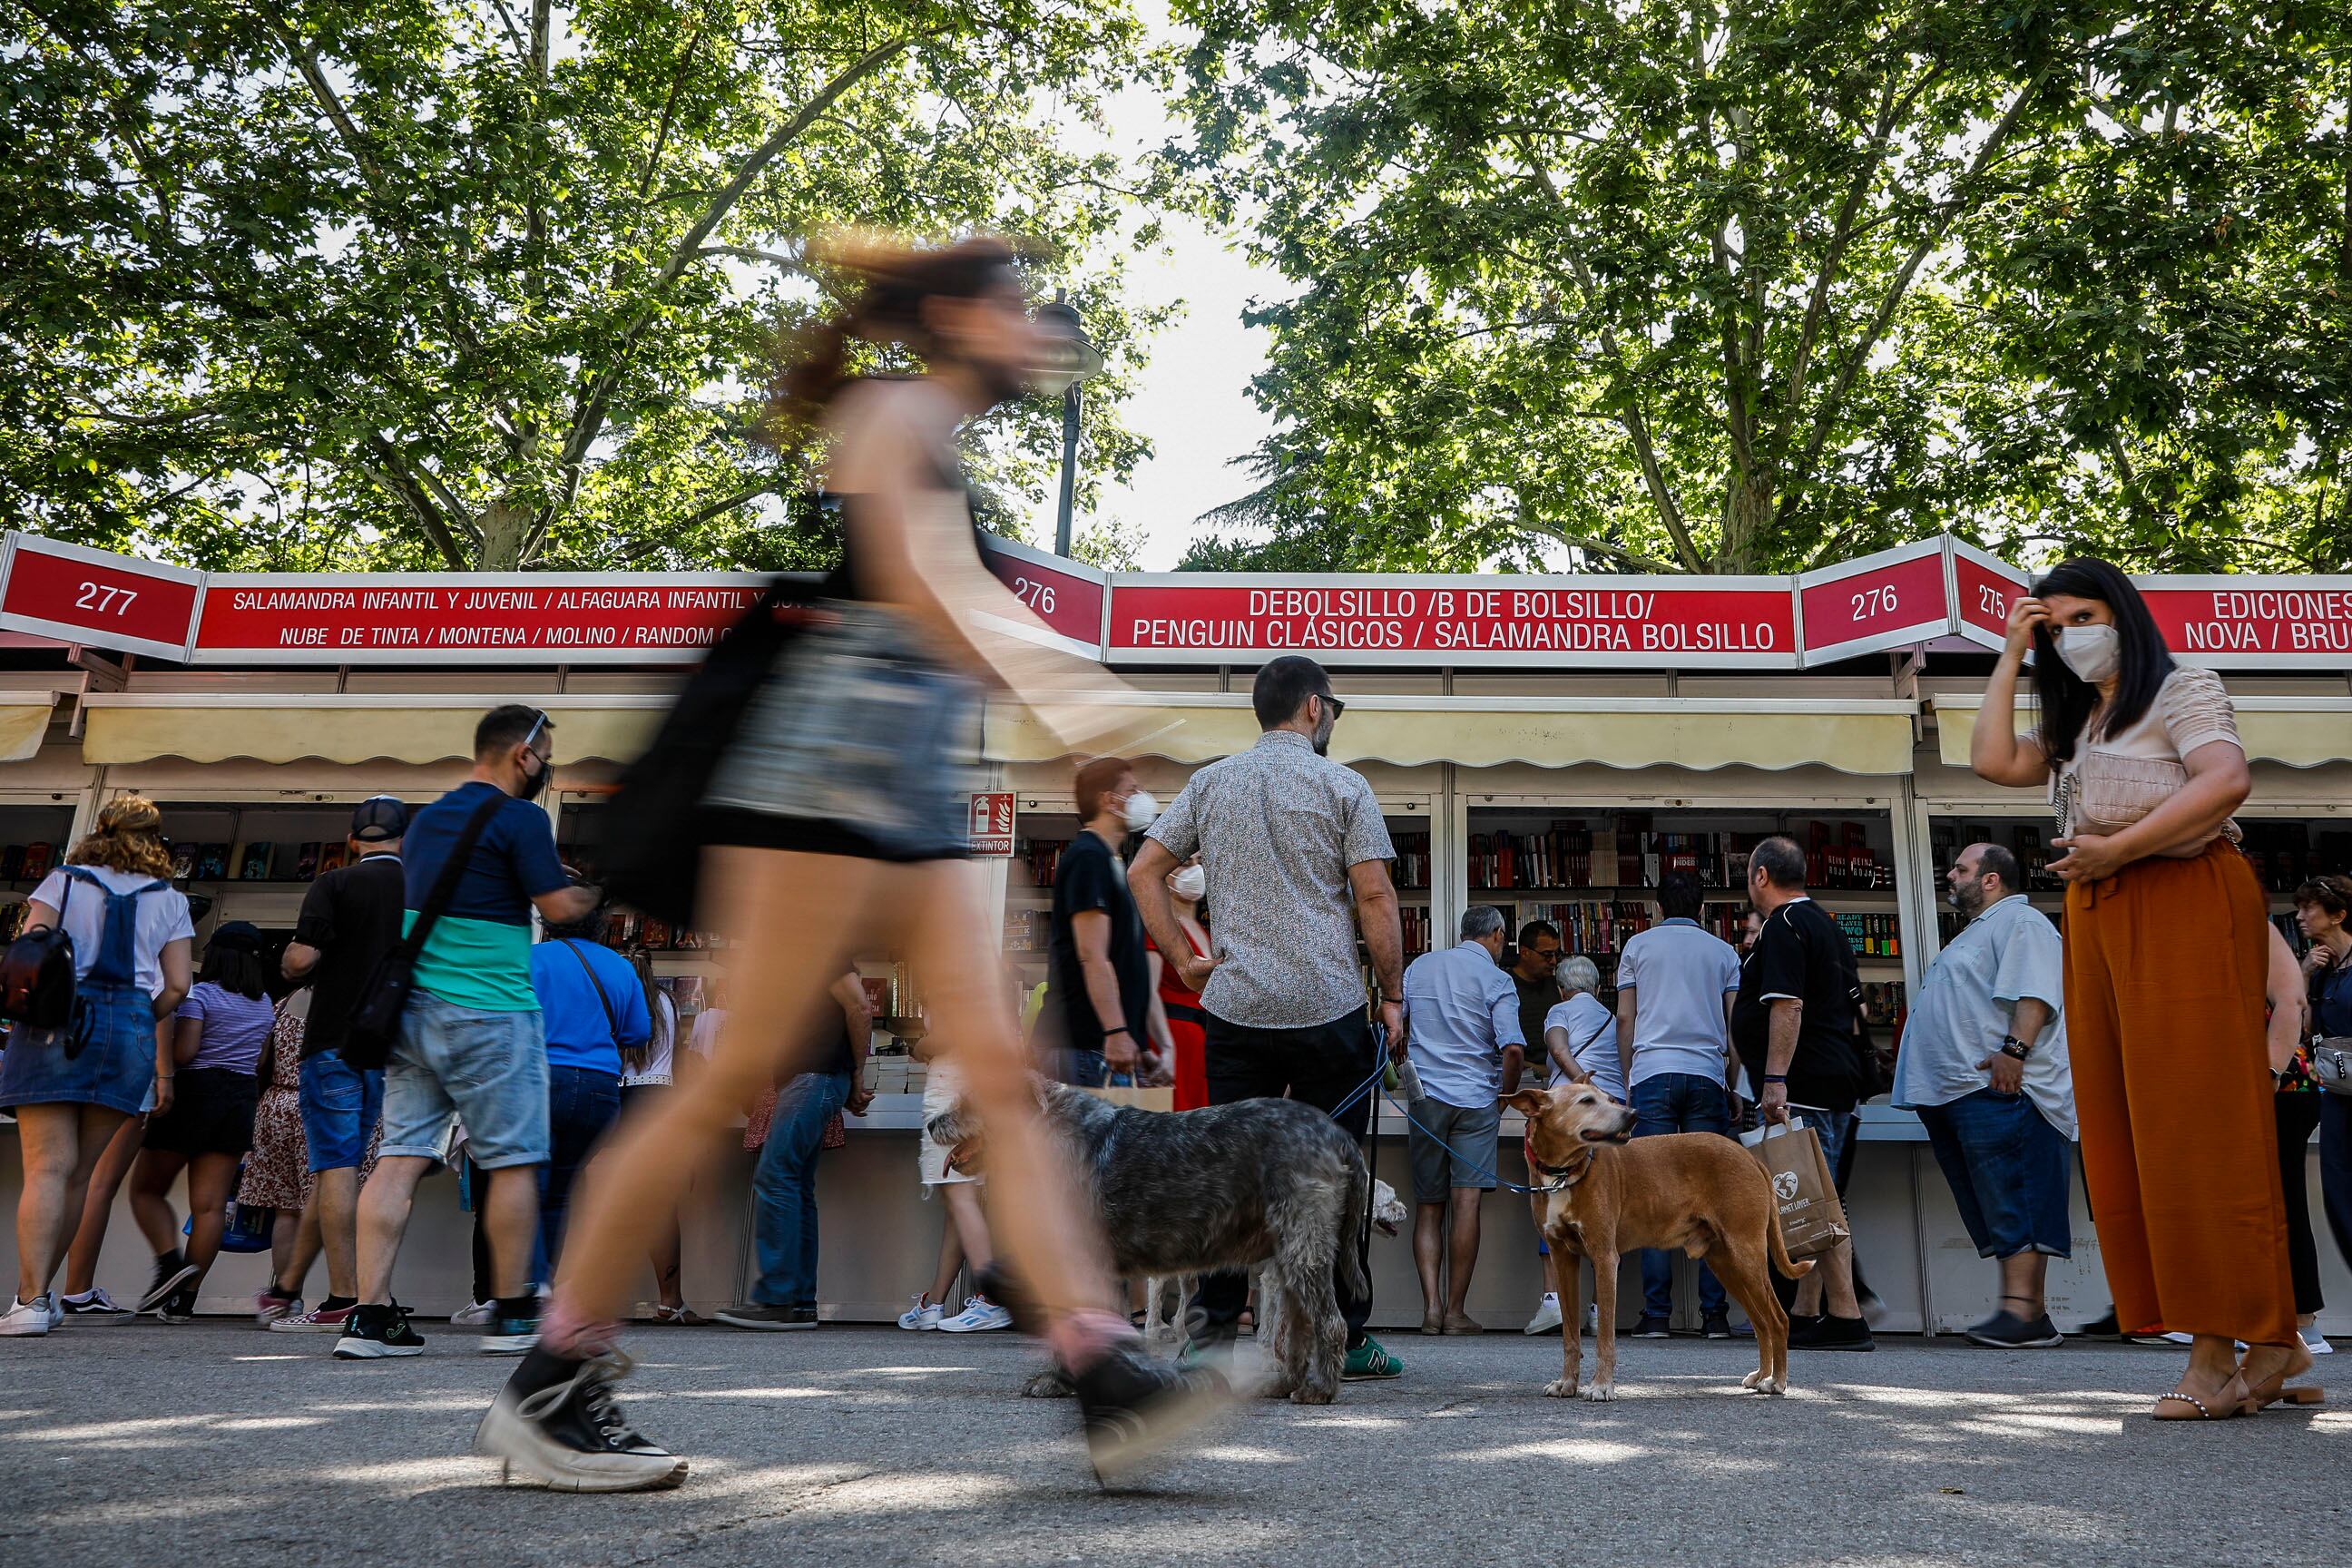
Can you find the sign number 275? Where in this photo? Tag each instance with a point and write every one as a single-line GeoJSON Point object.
{"type": "Point", "coordinates": [104, 599]}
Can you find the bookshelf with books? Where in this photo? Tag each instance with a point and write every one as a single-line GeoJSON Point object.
{"type": "Point", "coordinates": [1594, 875]}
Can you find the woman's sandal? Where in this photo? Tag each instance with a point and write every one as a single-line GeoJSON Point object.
{"type": "Point", "coordinates": [2272, 1389]}
{"type": "Point", "coordinates": [2226, 1406]}
{"type": "Point", "coordinates": [680, 1317]}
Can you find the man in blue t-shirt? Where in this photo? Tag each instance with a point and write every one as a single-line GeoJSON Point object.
{"type": "Point", "coordinates": [471, 1041]}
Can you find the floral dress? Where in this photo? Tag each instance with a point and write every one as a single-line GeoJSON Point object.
{"type": "Point", "coordinates": [278, 1171]}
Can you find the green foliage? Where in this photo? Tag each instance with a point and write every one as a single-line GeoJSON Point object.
{"type": "Point", "coordinates": [489, 283]}
{"type": "Point", "coordinates": [1740, 285]}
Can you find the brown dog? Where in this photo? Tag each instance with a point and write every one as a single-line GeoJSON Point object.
{"type": "Point", "coordinates": [1695, 1191]}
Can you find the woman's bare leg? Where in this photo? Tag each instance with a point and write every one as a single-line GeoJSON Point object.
{"type": "Point", "coordinates": [150, 1202]}
{"type": "Point", "coordinates": [48, 1133]}
{"type": "Point", "coordinates": [951, 1258]}
{"type": "Point", "coordinates": [970, 1223]}
{"type": "Point", "coordinates": [98, 1207]}
{"type": "Point", "coordinates": [796, 919]}
{"type": "Point", "coordinates": [212, 1178]}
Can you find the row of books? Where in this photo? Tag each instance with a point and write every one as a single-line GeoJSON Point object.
{"type": "Point", "coordinates": [27, 862]}
{"type": "Point", "coordinates": [1411, 859]}
{"type": "Point", "coordinates": [1577, 855]}
{"type": "Point", "coordinates": [256, 862]}
{"type": "Point", "coordinates": [1873, 936]}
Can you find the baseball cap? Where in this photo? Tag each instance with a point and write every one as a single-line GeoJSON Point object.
{"type": "Point", "coordinates": [379, 819]}
{"type": "Point", "coordinates": [241, 934]}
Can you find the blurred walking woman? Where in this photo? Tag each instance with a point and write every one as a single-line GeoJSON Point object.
{"type": "Point", "coordinates": [2166, 958]}
{"type": "Point", "coordinates": [836, 822]}
{"type": "Point", "coordinates": [131, 933]}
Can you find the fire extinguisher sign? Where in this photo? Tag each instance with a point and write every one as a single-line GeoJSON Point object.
{"type": "Point", "coordinates": [992, 824]}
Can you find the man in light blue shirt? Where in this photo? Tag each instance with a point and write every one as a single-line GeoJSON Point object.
{"type": "Point", "coordinates": [1462, 1035]}
{"type": "Point", "coordinates": [1984, 1064]}
{"type": "Point", "coordinates": [1676, 983]}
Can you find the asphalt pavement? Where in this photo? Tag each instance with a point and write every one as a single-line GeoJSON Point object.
{"type": "Point", "coordinates": [214, 1443]}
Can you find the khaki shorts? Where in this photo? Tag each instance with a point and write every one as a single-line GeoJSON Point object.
{"type": "Point", "coordinates": [941, 1084]}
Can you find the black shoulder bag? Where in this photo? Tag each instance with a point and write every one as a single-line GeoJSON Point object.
{"type": "Point", "coordinates": [375, 1021]}
{"type": "Point", "coordinates": [654, 866]}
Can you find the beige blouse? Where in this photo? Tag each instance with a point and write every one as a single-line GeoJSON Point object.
{"type": "Point", "coordinates": [2113, 780]}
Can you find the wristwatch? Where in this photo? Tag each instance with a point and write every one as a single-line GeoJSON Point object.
{"type": "Point", "coordinates": [2010, 1046]}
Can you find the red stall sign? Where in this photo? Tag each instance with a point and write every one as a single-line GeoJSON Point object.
{"type": "Point", "coordinates": [1984, 590]}
{"type": "Point", "coordinates": [992, 824]}
{"type": "Point", "coordinates": [414, 618]}
{"type": "Point", "coordinates": [1066, 594]}
{"type": "Point", "coordinates": [2270, 622]}
{"type": "Point", "coordinates": [1530, 622]}
{"type": "Point", "coordinates": [84, 596]}
{"type": "Point", "coordinates": [1891, 599]}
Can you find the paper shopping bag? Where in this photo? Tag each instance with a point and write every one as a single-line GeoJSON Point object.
{"type": "Point", "coordinates": [1812, 1221]}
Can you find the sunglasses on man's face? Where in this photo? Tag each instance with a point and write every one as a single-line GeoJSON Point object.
{"type": "Point", "coordinates": [1334, 704]}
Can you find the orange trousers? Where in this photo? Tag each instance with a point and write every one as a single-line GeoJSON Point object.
{"type": "Point", "coordinates": [2166, 967]}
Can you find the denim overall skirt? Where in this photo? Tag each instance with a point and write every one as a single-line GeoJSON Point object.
{"type": "Point", "coordinates": [116, 1067]}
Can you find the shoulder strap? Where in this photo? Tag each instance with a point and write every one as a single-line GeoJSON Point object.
{"type": "Point", "coordinates": [612, 1019]}
{"type": "Point", "coordinates": [444, 887]}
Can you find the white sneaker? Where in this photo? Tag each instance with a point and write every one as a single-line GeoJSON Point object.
{"type": "Point", "coordinates": [924, 1314]}
{"type": "Point", "coordinates": [29, 1320]}
{"type": "Point", "coordinates": [2317, 1342]}
{"type": "Point", "coordinates": [475, 1314]}
{"type": "Point", "coordinates": [1547, 1318]}
{"type": "Point", "coordinates": [979, 1315]}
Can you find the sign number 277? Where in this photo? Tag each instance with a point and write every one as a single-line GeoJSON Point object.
{"type": "Point", "coordinates": [104, 599]}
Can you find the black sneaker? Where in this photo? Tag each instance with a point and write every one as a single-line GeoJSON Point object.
{"type": "Point", "coordinates": [569, 1434]}
{"type": "Point", "coordinates": [508, 1336]}
{"type": "Point", "coordinates": [372, 1333]}
{"type": "Point", "coordinates": [760, 1315]}
{"type": "Point", "coordinates": [1134, 1407]}
{"type": "Point", "coordinates": [1651, 1327]}
{"type": "Point", "coordinates": [1716, 1326]}
{"type": "Point", "coordinates": [2006, 1331]}
{"type": "Point", "coordinates": [2103, 1327]}
{"type": "Point", "coordinates": [171, 1271]}
{"type": "Point", "coordinates": [180, 1306]}
{"type": "Point", "coordinates": [1827, 1333]}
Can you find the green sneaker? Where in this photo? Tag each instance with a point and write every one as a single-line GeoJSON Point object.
{"type": "Point", "coordinates": [1370, 1361]}
{"type": "Point", "coordinates": [1206, 1355]}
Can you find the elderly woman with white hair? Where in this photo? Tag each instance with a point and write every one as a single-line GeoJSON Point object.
{"type": "Point", "coordinates": [1580, 1031]}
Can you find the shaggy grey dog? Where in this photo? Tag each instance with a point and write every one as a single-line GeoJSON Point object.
{"type": "Point", "coordinates": [1269, 1182]}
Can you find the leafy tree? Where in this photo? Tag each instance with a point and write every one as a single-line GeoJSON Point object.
{"type": "Point", "coordinates": [488, 283]}
{"type": "Point", "coordinates": [1740, 285]}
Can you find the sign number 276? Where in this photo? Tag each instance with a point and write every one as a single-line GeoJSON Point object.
{"type": "Point", "coordinates": [104, 599]}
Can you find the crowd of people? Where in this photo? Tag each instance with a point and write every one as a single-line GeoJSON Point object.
{"type": "Point", "coordinates": [1222, 958]}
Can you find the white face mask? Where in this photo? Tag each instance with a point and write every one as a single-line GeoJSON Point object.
{"type": "Point", "coordinates": [2091, 652]}
{"type": "Point", "coordinates": [1141, 811]}
{"type": "Point", "coordinates": [1190, 882]}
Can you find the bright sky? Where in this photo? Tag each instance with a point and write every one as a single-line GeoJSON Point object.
{"type": "Point", "coordinates": [1192, 400]}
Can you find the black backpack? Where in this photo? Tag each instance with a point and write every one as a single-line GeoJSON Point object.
{"type": "Point", "coordinates": [36, 979]}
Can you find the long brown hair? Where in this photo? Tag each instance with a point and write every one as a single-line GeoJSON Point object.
{"type": "Point", "coordinates": [129, 837]}
{"type": "Point", "coordinates": [891, 281]}
{"type": "Point", "coordinates": [635, 1058]}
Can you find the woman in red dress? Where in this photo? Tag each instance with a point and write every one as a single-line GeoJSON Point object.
{"type": "Point", "coordinates": [1176, 1015]}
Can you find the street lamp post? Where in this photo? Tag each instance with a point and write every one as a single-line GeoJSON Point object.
{"type": "Point", "coordinates": [1077, 360]}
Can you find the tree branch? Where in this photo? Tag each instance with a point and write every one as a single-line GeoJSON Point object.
{"type": "Point", "coordinates": [1825, 417]}
{"type": "Point", "coordinates": [355, 141]}
{"type": "Point", "coordinates": [391, 472]}
{"type": "Point", "coordinates": [703, 514]}
{"type": "Point", "coordinates": [1637, 429]}
{"type": "Point", "coordinates": [1618, 553]}
{"type": "Point", "coordinates": [588, 421]}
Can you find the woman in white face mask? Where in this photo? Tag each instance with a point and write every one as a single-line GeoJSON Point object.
{"type": "Point", "coordinates": [1177, 1021]}
{"type": "Point", "coordinates": [2167, 945]}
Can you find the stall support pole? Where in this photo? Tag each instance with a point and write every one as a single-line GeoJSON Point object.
{"type": "Point", "coordinates": [85, 811]}
{"type": "Point", "coordinates": [1917, 893]}
{"type": "Point", "coordinates": [1449, 859]}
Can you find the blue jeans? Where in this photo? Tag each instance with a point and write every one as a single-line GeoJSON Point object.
{"type": "Point", "coordinates": [581, 1104]}
{"type": "Point", "coordinates": [2006, 1170]}
{"type": "Point", "coordinates": [1678, 1102]}
{"type": "Point", "coordinates": [488, 1067]}
{"type": "Point", "coordinates": [783, 1189]}
{"type": "Point", "coordinates": [339, 1106]}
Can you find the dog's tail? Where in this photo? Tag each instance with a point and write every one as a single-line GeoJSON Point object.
{"type": "Point", "coordinates": [1789, 1270]}
{"type": "Point", "coordinates": [1355, 1220]}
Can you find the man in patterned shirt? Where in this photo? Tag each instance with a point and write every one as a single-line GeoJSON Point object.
{"type": "Point", "coordinates": [1298, 854]}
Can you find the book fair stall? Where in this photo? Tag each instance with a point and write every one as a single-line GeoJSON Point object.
{"type": "Point", "coordinates": [1550, 745]}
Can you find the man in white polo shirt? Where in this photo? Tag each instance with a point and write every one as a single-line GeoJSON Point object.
{"type": "Point", "coordinates": [1676, 983]}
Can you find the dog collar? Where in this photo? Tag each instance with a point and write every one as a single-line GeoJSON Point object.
{"type": "Point", "coordinates": [1561, 1180]}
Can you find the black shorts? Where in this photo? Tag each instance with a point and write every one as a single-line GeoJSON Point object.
{"type": "Point", "coordinates": [212, 1113]}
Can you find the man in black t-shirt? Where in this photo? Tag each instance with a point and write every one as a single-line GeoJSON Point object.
{"type": "Point", "coordinates": [1793, 1027]}
{"type": "Point", "coordinates": [350, 918]}
{"type": "Point", "coordinates": [1100, 978]}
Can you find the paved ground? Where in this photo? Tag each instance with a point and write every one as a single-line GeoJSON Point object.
{"type": "Point", "coordinates": [214, 1443]}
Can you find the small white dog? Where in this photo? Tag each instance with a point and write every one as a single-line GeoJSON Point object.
{"type": "Point", "coordinates": [1164, 1295]}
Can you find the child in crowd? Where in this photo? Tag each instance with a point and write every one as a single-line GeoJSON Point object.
{"type": "Point", "coordinates": [964, 1239]}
